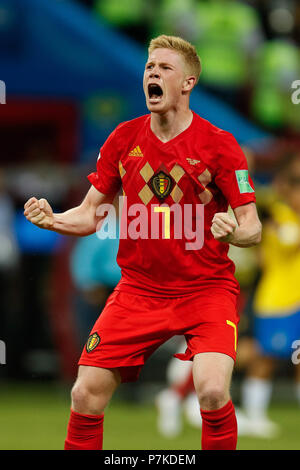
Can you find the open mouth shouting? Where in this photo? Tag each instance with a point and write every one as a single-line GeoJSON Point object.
{"type": "Point", "coordinates": [155, 93]}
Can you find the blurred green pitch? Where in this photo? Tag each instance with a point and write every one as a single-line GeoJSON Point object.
{"type": "Point", "coordinates": [35, 417]}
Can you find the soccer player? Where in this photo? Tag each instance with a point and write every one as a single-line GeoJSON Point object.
{"type": "Point", "coordinates": [170, 157]}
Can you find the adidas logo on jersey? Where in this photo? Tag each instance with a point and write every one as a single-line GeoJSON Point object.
{"type": "Point", "coordinates": [136, 152]}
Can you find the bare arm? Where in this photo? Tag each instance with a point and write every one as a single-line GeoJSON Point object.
{"type": "Point", "coordinates": [80, 221]}
{"type": "Point", "coordinates": [248, 231]}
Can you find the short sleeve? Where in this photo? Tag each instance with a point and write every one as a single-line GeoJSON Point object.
{"type": "Point", "coordinates": [107, 178]}
{"type": "Point", "coordinates": [232, 175]}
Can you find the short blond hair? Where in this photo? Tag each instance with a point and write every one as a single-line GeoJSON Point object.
{"type": "Point", "coordinates": [185, 48]}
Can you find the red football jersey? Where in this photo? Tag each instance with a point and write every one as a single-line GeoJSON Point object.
{"type": "Point", "coordinates": [172, 191]}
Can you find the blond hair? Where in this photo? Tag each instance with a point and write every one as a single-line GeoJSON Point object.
{"type": "Point", "coordinates": [183, 47]}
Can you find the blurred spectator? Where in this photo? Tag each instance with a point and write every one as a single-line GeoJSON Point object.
{"type": "Point", "coordinates": [88, 3]}
{"type": "Point", "coordinates": [175, 17]}
{"type": "Point", "coordinates": [228, 33]}
{"type": "Point", "coordinates": [277, 298]}
{"type": "Point", "coordinates": [9, 252]}
{"type": "Point", "coordinates": [297, 23]}
{"type": "Point", "coordinates": [279, 17]}
{"type": "Point", "coordinates": [129, 16]}
{"type": "Point", "coordinates": [9, 264]}
{"type": "Point", "coordinates": [276, 66]}
{"type": "Point", "coordinates": [40, 174]}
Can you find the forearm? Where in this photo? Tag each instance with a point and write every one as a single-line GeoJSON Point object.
{"type": "Point", "coordinates": [82, 220]}
{"type": "Point", "coordinates": [86, 218]}
{"type": "Point", "coordinates": [75, 222]}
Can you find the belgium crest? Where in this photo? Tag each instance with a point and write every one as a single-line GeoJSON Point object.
{"type": "Point", "coordinates": [92, 342]}
{"type": "Point", "coordinates": [161, 184]}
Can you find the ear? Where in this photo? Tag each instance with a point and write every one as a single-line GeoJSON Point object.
{"type": "Point", "coordinates": [189, 83]}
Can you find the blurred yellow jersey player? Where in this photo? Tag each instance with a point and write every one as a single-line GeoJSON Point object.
{"type": "Point", "coordinates": [277, 299]}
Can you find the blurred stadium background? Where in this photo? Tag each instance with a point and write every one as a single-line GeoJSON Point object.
{"type": "Point", "coordinates": [73, 71]}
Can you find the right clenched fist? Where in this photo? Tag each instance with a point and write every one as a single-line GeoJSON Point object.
{"type": "Point", "coordinates": [39, 212]}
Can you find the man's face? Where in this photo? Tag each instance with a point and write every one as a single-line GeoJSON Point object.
{"type": "Point", "coordinates": [164, 77]}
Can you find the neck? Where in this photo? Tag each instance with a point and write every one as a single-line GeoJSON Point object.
{"type": "Point", "coordinates": [169, 125]}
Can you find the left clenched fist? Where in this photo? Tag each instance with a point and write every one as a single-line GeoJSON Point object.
{"type": "Point", "coordinates": [223, 227]}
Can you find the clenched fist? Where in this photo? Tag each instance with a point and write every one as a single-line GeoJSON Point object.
{"type": "Point", "coordinates": [39, 212]}
{"type": "Point", "coordinates": [223, 227]}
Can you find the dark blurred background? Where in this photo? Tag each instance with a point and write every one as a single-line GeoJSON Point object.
{"type": "Point", "coordinates": [73, 71]}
